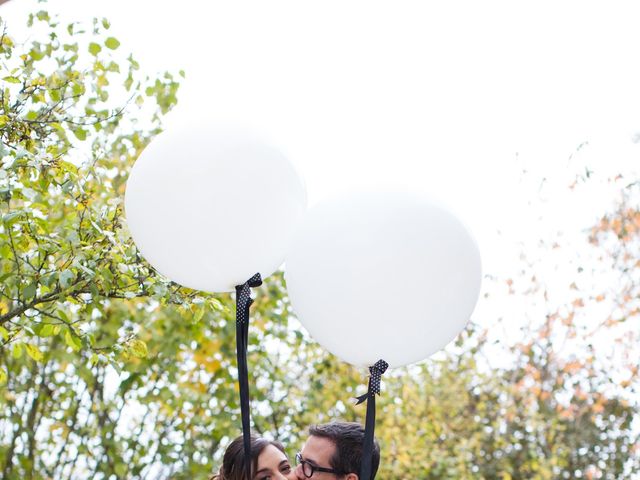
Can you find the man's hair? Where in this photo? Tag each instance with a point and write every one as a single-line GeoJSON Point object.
{"type": "Point", "coordinates": [348, 438]}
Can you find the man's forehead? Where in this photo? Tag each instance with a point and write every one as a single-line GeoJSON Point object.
{"type": "Point", "coordinates": [318, 449]}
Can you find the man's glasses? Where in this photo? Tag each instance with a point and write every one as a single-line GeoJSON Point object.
{"type": "Point", "coordinates": [308, 469]}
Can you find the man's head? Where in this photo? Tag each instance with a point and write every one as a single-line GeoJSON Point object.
{"type": "Point", "coordinates": [336, 447]}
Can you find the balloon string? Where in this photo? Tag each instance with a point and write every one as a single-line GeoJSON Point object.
{"type": "Point", "coordinates": [243, 303]}
{"type": "Point", "coordinates": [376, 371]}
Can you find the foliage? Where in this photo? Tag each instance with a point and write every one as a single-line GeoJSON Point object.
{"type": "Point", "coordinates": [111, 371]}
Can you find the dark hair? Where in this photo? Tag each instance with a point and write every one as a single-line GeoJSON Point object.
{"type": "Point", "coordinates": [233, 467]}
{"type": "Point", "coordinates": [348, 438]}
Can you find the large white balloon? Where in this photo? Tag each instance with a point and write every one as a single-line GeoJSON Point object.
{"type": "Point", "coordinates": [383, 276]}
{"type": "Point", "coordinates": [210, 207]}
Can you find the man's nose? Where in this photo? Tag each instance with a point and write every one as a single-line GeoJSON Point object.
{"type": "Point", "coordinates": [298, 472]}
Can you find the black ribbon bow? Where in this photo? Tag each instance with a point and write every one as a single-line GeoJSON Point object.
{"type": "Point", "coordinates": [376, 371]}
{"type": "Point", "coordinates": [243, 303]}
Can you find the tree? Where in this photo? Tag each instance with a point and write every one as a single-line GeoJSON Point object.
{"type": "Point", "coordinates": [110, 370]}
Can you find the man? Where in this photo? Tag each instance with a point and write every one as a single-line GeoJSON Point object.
{"type": "Point", "coordinates": [334, 451]}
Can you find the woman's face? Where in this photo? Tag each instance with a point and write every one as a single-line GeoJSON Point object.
{"type": "Point", "coordinates": [273, 465]}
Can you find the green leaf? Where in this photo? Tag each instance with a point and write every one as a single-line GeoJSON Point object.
{"type": "Point", "coordinates": [11, 218]}
{"type": "Point", "coordinates": [16, 351]}
{"type": "Point", "coordinates": [63, 315]}
{"type": "Point", "coordinates": [80, 133]}
{"type": "Point", "coordinates": [43, 16]}
{"type": "Point", "coordinates": [217, 305]}
{"type": "Point", "coordinates": [34, 352]}
{"type": "Point", "coordinates": [4, 333]}
{"type": "Point", "coordinates": [30, 291]}
{"type": "Point", "coordinates": [11, 79]}
{"type": "Point", "coordinates": [4, 119]}
{"type": "Point", "coordinates": [49, 279]}
{"type": "Point", "coordinates": [72, 341]}
{"type": "Point", "coordinates": [198, 314]}
{"type": "Point", "coordinates": [46, 330]}
{"type": "Point", "coordinates": [78, 88]}
{"type": "Point", "coordinates": [112, 43]}
{"type": "Point", "coordinates": [128, 82]}
{"type": "Point", "coordinates": [36, 54]}
{"type": "Point", "coordinates": [3, 376]}
{"type": "Point", "coordinates": [65, 278]}
{"type": "Point", "coordinates": [94, 49]}
{"type": "Point", "coordinates": [120, 470]}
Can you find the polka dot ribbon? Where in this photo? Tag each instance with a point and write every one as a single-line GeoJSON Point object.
{"type": "Point", "coordinates": [243, 298]}
{"type": "Point", "coordinates": [376, 371]}
{"type": "Point", "coordinates": [243, 302]}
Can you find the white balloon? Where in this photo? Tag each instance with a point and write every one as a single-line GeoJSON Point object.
{"type": "Point", "coordinates": [383, 276]}
{"type": "Point", "coordinates": [210, 207]}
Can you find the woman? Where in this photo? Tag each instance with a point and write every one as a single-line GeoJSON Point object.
{"type": "Point", "coordinates": [268, 461]}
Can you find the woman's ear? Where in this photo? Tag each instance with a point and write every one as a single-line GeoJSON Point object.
{"type": "Point", "coordinates": [351, 476]}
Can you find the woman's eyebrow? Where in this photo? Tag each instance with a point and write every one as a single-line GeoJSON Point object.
{"type": "Point", "coordinates": [262, 470]}
{"type": "Point", "coordinates": [282, 462]}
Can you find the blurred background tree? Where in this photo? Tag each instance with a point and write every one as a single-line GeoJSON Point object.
{"type": "Point", "coordinates": [107, 370]}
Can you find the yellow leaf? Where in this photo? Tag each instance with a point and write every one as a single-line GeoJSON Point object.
{"type": "Point", "coordinates": [138, 348]}
{"type": "Point", "coordinates": [58, 426]}
{"type": "Point", "coordinates": [213, 366]}
{"type": "Point", "coordinates": [34, 352]}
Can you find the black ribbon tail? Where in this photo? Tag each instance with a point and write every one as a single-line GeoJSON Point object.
{"type": "Point", "coordinates": [243, 382]}
{"type": "Point", "coordinates": [243, 304]}
{"type": "Point", "coordinates": [366, 468]}
{"type": "Point", "coordinates": [369, 430]}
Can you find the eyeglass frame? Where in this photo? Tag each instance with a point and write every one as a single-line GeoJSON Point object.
{"type": "Point", "coordinates": [314, 468]}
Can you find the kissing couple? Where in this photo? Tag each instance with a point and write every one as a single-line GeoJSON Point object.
{"type": "Point", "coordinates": [332, 451]}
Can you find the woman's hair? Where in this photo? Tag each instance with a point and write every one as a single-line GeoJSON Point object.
{"type": "Point", "coordinates": [233, 467]}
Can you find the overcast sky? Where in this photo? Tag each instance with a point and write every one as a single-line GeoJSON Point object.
{"type": "Point", "coordinates": [450, 98]}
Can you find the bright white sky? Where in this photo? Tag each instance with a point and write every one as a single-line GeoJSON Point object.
{"type": "Point", "coordinates": [451, 98]}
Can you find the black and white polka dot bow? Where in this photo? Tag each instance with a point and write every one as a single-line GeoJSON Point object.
{"type": "Point", "coordinates": [376, 371]}
{"type": "Point", "coordinates": [243, 297]}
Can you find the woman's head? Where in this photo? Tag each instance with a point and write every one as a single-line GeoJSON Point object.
{"type": "Point", "coordinates": [268, 461]}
